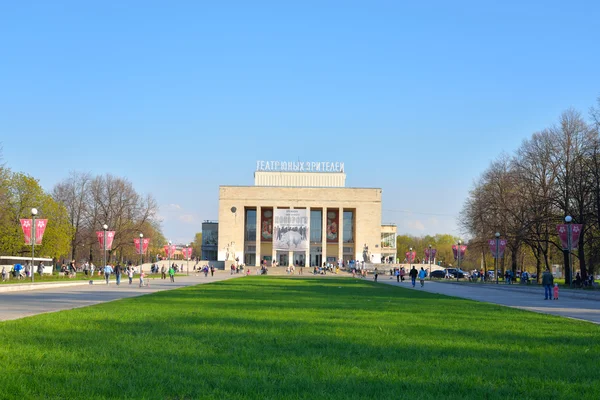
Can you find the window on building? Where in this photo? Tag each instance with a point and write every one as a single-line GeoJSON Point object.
{"type": "Point", "coordinates": [250, 233]}
{"type": "Point", "coordinates": [316, 225]}
{"type": "Point", "coordinates": [348, 227]}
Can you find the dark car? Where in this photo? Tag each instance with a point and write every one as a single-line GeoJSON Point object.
{"type": "Point", "coordinates": [438, 274]}
{"type": "Point", "coordinates": [461, 274]}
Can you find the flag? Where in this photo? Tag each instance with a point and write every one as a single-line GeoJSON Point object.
{"type": "Point", "coordinates": [501, 247]}
{"type": "Point", "coordinates": [26, 227]}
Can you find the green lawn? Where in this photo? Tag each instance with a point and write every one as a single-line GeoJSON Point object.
{"type": "Point", "coordinates": [280, 338]}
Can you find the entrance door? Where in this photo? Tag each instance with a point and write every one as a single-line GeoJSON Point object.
{"type": "Point", "coordinates": [299, 258]}
{"type": "Point", "coordinates": [282, 259]}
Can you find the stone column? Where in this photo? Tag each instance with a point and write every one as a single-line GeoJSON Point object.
{"type": "Point", "coordinates": [273, 251]}
{"type": "Point", "coordinates": [290, 253]}
{"type": "Point", "coordinates": [307, 253]}
{"type": "Point", "coordinates": [258, 235]}
{"type": "Point", "coordinates": [324, 236]}
{"type": "Point", "coordinates": [341, 234]}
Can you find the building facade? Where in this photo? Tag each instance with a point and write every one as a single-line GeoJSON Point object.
{"type": "Point", "coordinates": [301, 218]}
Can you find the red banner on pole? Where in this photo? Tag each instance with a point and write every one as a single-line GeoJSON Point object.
{"type": "Point", "coordinates": [26, 227]}
{"type": "Point", "coordinates": [563, 235]}
{"type": "Point", "coordinates": [110, 235]}
{"type": "Point", "coordinates": [40, 228]}
{"type": "Point", "coordinates": [410, 256]}
{"type": "Point", "coordinates": [430, 255]}
{"type": "Point", "coordinates": [169, 250]}
{"type": "Point", "coordinates": [455, 249]}
{"type": "Point", "coordinates": [136, 241]}
{"type": "Point", "coordinates": [501, 247]}
{"type": "Point", "coordinates": [575, 233]}
{"type": "Point", "coordinates": [187, 252]}
{"type": "Point", "coordinates": [145, 244]}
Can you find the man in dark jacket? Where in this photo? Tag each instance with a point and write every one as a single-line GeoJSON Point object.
{"type": "Point", "coordinates": [413, 275]}
{"type": "Point", "coordinates": [547, 281]}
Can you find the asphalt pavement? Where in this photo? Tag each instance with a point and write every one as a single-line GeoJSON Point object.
{"type": "Point", "coordinates": [14, 305]}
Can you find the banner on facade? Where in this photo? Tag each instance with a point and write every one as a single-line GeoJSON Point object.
{"type": "Point", "coordinates": [501, 247]}
{"type": "Point", "coordinates": [563, 234]}
{"type": "Point", "coordinates": [463, 249]}
{"type": "Point", "coordinates": [110, 235]}
{"type": "Point", "coordinates": [333, 223]}
{"type": "Point", "coordinates": [290, 230]}
{"type": "Point", "coordinates": [266, 225]}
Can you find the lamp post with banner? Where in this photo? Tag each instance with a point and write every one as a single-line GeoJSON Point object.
{"type": "Point", "coordinates": [429, 256]}
{"type": "Point", "coordinates": [34, 212]}
{"type": "Point", "coordinates": [497, 260]}
{"type": "Point", "coordinates": [187, 256]}
{"type": "Point", "coordinates": [568, 220]}
{"type": "Point", "coordinates": [458, 258]}
{"type": "Point", "coordinates": [105, 228]}
{"type": "Point", "coordinates": [569, 237]}
{"type": "Point", "coordinates": [141, 251]}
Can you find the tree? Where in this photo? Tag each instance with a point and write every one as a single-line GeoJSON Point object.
{"type": "Point", "coordinates": [197, 245]}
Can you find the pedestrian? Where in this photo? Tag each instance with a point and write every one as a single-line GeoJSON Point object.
{"type": "Point", "coordinates": [4, 274]}
{"type": "Point", "coordinates": [402, 273]}
{"type": "Point", "coordinates": [206, 271]}
{"type": "Point", "coordinates": [142, 276]}
{"type": "Point", "coordinates": [212, 271]}
{"type": "Point", "coordinates": [422, 276]}
{"type": "Point", "coordinates": [118, 271]}
{"type": "Point", "coordinates": [107, 271]}
{"type": "Point", "coordinates": [413, 275]}
{"type": "Point", "coordinates": [397, 272]}
{"type": "Point", "coordinates": [556, 291]}
{"type": "Point", "coordinates": [172, 274]}
{"type": "Point", "coordinates": [163, 273]}
{"type": "Point", "coordinates": [92, 267]}
{"type": "Point", "coordinates": [130, 274]}
{"type": "Point", "coordinates": [547, 282]}
{"type": "Point", "coordinates": [40, 269]}
{"type": "Point", "coordinates": [375, 274]}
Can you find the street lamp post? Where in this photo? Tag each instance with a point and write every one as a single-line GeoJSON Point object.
{"type": "Point", "coordinates": [34, 212]}
{"type": "Point", "coordinates": [568, 220]}
{"type": "Point", "coordinates": [410, 255]}
{"type": "Point", "coordinates": [188, 258]}
{"type": "Point", "coordinates": [105, 228]}
{"type": "Point", "coordinates": [141, 251]}
{"type": "Point", "coordinates": [429, 262]}
{"type": "Point", "coordinates": [496, 261]}
{"type": "Point", "coordinates": [169, 256]}
{"type": "Point", "coordinates": [458, 258]}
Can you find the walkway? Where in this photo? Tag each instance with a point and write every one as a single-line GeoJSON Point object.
{"type": "Point", "coordinates": [14, 305]}
{"type": "Point", "coordinates": [572, 303]}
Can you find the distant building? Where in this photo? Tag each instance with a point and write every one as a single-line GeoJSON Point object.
{"type": "Point", "coordinates": [299, 213]}
{"type": "Point", "coordinates": [210, 237]}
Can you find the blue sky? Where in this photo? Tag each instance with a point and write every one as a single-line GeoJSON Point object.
{"type": "Point", "coordinates": [181, 97]}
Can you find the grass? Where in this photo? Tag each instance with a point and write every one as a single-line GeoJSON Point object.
{"type": "Point", "coordinates": [280, 338]}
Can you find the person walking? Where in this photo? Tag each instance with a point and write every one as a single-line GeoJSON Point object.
{"type": "Point", "coordinates": [413, 276]}
{"type": "Point", "coordinates": [172, 274]}
{"type": "Point", "coordinates": [163, 273]}
{"type": "Point", "coordinates": [107, 271]}
{"type": "Point", "coordinates": [375, 274]}
{"type": "Point", "coordinates": [422, 276]}
{"type": "Point", "coordinates": [4, 274]}
{"type": "Point", "coordinates": [212, 271]}
{"type": "Point", "coordinates": [118, 271]}
{"type": "Point", "coordinates": [547, 282]}
{"type": "Point", "coordinates": [130, 274]}
{"type": "Point", "coordinates": [397, 273]}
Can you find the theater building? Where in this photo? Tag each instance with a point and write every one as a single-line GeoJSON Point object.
{"type": "Point", "coordinates": [302, 213]}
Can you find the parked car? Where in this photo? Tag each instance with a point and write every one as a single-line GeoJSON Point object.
{"type": "Point", "coordinates": [438, 274]}
{"type": "Point", "coordinates": [461, 274]}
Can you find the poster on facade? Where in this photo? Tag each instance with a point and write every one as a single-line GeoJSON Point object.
{"type": "Point", "coordinates": [266, 225]}
{"type": "Point", "coordinates": [332, 226]}
{"type": "Point", "coordinates": [290, 230]}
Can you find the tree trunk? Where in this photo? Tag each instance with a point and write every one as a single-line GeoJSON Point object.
{"type": "Point", "coordinates": [567, 267]}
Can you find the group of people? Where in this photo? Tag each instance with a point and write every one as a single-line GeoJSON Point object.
{"type": "Point", "coordinates": [118, 271]}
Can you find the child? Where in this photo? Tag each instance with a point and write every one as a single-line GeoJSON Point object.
{"type": "Point", "coordinates": [142, 275]}
{"type": "Point", "coordinates": [130, 274]}
{"type": "Point", "coordinates": [556, 291]}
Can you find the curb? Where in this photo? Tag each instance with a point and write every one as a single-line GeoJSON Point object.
{"type": "Point", "coordinates": [37, 286]}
